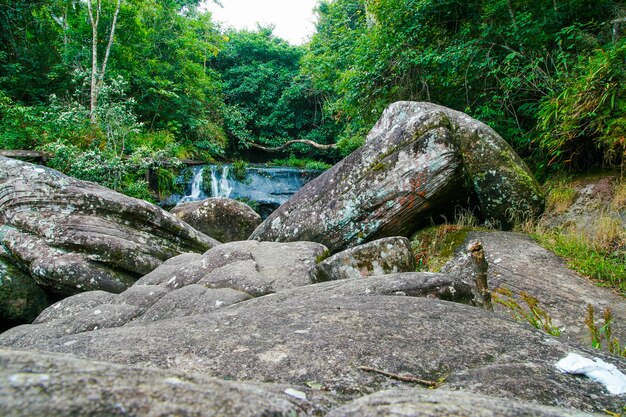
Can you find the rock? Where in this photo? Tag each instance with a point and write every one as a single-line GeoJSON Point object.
{"type": "Point", "coordinates": [589, 205]}
{"type": "Point", "coordinates": [442, 403]}
{"type": "Point", "coordinates": [191, 300]}
{"type": "Point", "coordinates": [419, 162]}
{"type": "Point", "coordinates": [193, 284]}
{"type": "Point", "coordinates": [318, 336]}
{"type": "Point", "coordinates": [380, 257]}
{"type": "Point", "coordinates": [224, 219]}
{"type": "Point", "coordinates": [74, 236]}
{"type": "Point", "coordinates": [38, 384]}
{"type": "Point", "coordinates": [21, 300]}
{"type": "Point", "coordinates": [519, 264]}
{"type": "Point", "coordinates": [73, 305]}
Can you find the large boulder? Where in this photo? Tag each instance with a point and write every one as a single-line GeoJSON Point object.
{"type": "Point", "coordinates": [419, 161]}
{"type": "Point", "coordinates": [520, 265]}
{"type": "Point", "coordinates": [345, 336]}
{"type": "Point", "coordinates": [224, 219]}
{"type": "Point", "coordinates": [73, 235]}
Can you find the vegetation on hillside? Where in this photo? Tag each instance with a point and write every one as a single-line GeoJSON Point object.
{"type": "Point", "coordinates": [128, 83]}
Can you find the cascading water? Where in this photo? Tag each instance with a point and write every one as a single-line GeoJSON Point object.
{"type": "Point", "coordinates": [265, 187]}
{"type": "Point", "coordinates": [221, 188]}
{"type": "Point", "coordinates": [196, 188]}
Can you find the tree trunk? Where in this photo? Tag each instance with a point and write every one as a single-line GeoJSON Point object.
{"type": "Point", "coordinates": [93, 97]}
{"type": "Point", "coordinates": [97, 75]}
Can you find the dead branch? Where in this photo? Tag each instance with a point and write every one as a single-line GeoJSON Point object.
{"type": "Point", "coordinates": [294, 141]}
{"type": "Point", "coordinates": [402, 377]}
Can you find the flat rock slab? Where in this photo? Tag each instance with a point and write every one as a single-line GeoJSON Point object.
{"type": "Point", "coordinates": [519, 264]}
{"type": "Point", "coordinates": [419, 161]}
{"type": "Point", "coordinates": [73, 236]}
{"type": "Point", "coordinates": [39, 384]}
{"type": "Point", "coordinates": [311, 336]}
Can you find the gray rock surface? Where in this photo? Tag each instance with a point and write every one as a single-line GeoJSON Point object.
{"type": "Point", "coordinates": [38, 384]}
{"type": "Point", "coordinates": [224, 219]}
{"type": "Point", "coordinates": [519, 264]}
{"type": "Point", "coordinates": [73, 236]}
{"type": "Point", "coordinates": [442, 403]}
{"type": "Point", "coordinates": [380, 257]}
{"type": "Point", "coordinates": [318, 336]}
{"type": "Point", "coordinates": [419, 161]}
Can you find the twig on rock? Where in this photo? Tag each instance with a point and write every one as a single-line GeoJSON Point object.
{"type": "Point", "coordinates": [402, 377]}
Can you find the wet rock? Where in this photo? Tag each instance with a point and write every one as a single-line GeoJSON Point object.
{"type": "Point", "coordinates": [74, 235]}
{"type": "Point", "coordinates": [313, 336]}
{"type": "Point", "coordinates": [224, 219]}
{"type": "Point", "coordinates": [380, 257]}
{"type": "Point", "coordinates": [38, 384]}
{"type": "Point", "coordinates": [519, 264]}
{"type": "Point", "coordinates": [442, 403]}
{"type": "Point", "coordinates": [419, 162]}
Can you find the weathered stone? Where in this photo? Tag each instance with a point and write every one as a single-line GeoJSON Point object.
{"type": "Point", "coordinates": [21, 300]}
{"type": "Point", "coordinates": [74, 305]}
{"type": "Point", "coordinates": [380, 257]}
{"type": "Point", "coordinates": [419, 161]}
{"type": "Point", "coordinates": [178, 271]}
{"type": "Point", "coordinates": [75, 235]}
{"type": "Point", "coordinates": [224, 219]}
{"type": "Point", "coordinates": [312, 336]}
{"type": "Point", "coordinates": [191, 300]}
{"type": "Point", "coordinates": [277, 266]}
{"type": "Point", "coordinates": [519, 264]}
{"type": "Point", "coordinates": [442, 403]}
{"type": "Point", "coordinates": [37, 384]}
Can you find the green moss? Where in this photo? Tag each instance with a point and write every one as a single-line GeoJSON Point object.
{"type": "Point", "coordinates": [324, 255]}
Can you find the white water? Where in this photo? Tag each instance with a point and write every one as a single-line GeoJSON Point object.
{"type": "Point", "coordinates": [195, 188]}
{"type": "Point", "coordinates": [221, 188]}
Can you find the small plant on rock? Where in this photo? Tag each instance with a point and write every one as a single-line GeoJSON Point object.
{"type": "Point", "coordinates": [531, 313]}
{"type": "Point", "coordinates": [603, 333]}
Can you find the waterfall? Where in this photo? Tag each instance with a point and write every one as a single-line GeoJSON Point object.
{"type": "Point", "coordinates": [220, 188]}
{"type": "Point", "coordinates": [196, 187]}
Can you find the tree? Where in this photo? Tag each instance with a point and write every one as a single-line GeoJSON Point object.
{"type": "Point", "coordinates": [98, 73]}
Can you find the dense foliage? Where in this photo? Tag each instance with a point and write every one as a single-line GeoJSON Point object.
{"type": "Point", "coordinates": [546, 75]}
{"type": "Point", "coordinates": [128, 83]}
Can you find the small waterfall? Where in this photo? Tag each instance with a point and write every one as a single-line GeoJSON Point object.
{"type": "Point", "coordinates": [196, 188]}
{"type": "Point", "coordinates": [220, 188]}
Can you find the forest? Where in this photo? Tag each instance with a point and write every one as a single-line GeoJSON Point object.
{"type": "Point", "coordinates": [112, 88]}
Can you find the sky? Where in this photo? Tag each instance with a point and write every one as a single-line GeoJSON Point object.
{"type": "Point", "coordinates": [293, 19]}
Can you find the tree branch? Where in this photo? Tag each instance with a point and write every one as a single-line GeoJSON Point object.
{"type": "Point", "coordinates": [291, 142]}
